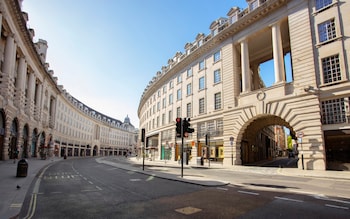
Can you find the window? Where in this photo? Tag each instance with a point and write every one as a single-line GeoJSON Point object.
{"type": "Point", "coordinates": [170, 116]}
{"type": "Point", "coordinates": [333, 111]}
{"type": "Point", "coordinates": [179, 96]}
{"type": "Point", "coordinates": [322, 4]}
{"type": "Point", "coordinates": [171, 84]}
{"type": "Point", "coordinates": [170, 99]}
{"type": "Point", "coordinates": [253, 5]}
{"type": "Point", "coordinates": [179, 79]}
{"type": "Point", "coordinates": [201, 65]}
{"type": "Point", "coordinates": [217, 56]}
{"type": "Point", "coordinates": [200, 43]}
{"type": "Point", "coordinates": [331, 69]}
{"type": "Point", "coordinates": [158, 106]}
{"type": "Point", "coordinates": [201, 83]}
{"type": "Point", "coordinates": [178, 112]}
{"type": "Point", "coordinates": [159, 93]}
{"type": "Point", "coordinates": [201, 105]}
{"type": "Point", "coordinates": [189, 72]}
{"type": "Point", "coordinates": [163, 119]}
{"type": "Point", "coordinates": [217, 99]}
{"type": "Point", "coordinates": [326, 31]}
{"type": "Point", "coordinates": [164, 89]}
{"type": "Point", "coordinates": [189, 110]}
{"type": "Point", "coordinates": [234, 18]}
{"type": "Point", "coordinates": [189, 89]}
{"type": "Point", "coordinates": [217, 76]}
{"type": "Point", "coordinates": [164, 102]}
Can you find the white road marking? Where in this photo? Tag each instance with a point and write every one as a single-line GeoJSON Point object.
{"type": "Point", "coordinates": [249, 193]}
{"type": "Point", "coordinates": [135, 180]}
{"type": "Point", "coordinates": [91, 182]}
{"type": "Point", "coordinates": [331, 199]}
{"type": "Point", "coordinates": [337, 206]}
{"type": "Point", "coordinates": [220, 188]}
{"type": "Point", "coordinates": [16, 205]}
{"type": "Point", "coordinates": [289, 199]}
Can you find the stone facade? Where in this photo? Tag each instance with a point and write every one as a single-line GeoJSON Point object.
{"type": "Point", "coordinates": [38, 117]}
{"type": "Point", "coordinates": [217, 83]}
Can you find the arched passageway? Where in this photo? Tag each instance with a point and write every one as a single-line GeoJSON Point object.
{"type": "Point", "coordinates": [267, 139]}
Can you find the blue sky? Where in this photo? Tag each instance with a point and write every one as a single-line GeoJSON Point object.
{"type": "Point", "coordinates": [105, 52]}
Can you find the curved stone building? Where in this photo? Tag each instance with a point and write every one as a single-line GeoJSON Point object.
{"type": "Point", "coordinates": [38, 117]}
{"type": "Point", "coordinates": [218, 83]}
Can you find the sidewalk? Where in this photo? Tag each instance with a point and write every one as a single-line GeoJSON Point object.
{"type": "Point", "coordinates": [344, 175]}
{"type": "Point", "coordinates": [11, 196]}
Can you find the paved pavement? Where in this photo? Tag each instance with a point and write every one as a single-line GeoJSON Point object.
{"type": "Point", "coordinates": [13, 197]}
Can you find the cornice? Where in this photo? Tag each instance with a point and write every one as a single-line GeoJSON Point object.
{"type": "Point", "coordinates": [17, 15]}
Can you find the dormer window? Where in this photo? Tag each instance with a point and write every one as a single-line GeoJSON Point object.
{"type": "Point", "coordinates": [254, 4]}
{"type": "Point", "coordinates": [200, 43]}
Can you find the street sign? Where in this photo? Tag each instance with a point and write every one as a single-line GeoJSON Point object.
{"type": "Point", "coordinates": [231, 140]}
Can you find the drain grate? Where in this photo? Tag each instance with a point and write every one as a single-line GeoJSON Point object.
{"type": "Point", "coordinates": [188, 210]}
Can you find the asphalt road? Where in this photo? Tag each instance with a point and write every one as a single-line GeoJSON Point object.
{"type": "Point", "coordinates": [82, 188]}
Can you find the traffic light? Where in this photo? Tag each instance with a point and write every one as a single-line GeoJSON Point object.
{"type": "Point", "coordinates": [187, 127]}
{"type": "Point", "coordinates": [143, 132]}
{"type": "Point", "coordinates": [178, 127]}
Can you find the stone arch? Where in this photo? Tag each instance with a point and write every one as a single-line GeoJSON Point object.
{"type": "Point", "coordinates": [95, 151]}
{"type": "Point", "coordinates": [25, 141]}
{"type": "Point", "coordinates": [256, 138]}
{"type": "Point", "coordinates": [34, 143]}
{"type": "Point", "coordinates": [13, 149]}
{"type": "Point", "coordinates": [42, 148]}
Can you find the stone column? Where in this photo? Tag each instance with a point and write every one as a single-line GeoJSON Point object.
{"type": "Point", "coordinates": [278, 60]}
{"type": "Point", "coordinates": [20, 84]}
{"type": "Point", "coordinates": [38, 101]}
{"type": "Point", "coordinates": [246, 76]}
{"type": "Point", "coordinates": [8, 68]}
{"type": "Point", "coordinates": [31, 92]}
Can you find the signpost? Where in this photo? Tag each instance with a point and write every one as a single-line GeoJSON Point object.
{"type": "Point", "coordinates": [300, 136]}
{"type": "Point", "coordinates": [231, 142]}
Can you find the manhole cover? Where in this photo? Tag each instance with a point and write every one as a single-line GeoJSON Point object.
{"type": "Point", "coordinates": [188, 210]}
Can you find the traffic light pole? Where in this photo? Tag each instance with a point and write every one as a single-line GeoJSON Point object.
{"type": "Point", "coordinates": [182, 149]}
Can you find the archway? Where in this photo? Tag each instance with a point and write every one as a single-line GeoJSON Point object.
{"type": "Point", "coordinates": [42, 149]}
{"type": "Point", "coordinates": [25, 141]}
{"type": "Point", "coordinates": [13, 150]}
{"type": "Point", "coordinates": [267, 139]}
{"type": "Point", "coordinates": [2, 134]}
{"type": "Point", "coordinates": [35, 137]}
{"type": "Point", "coordinates": [94, 153]}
